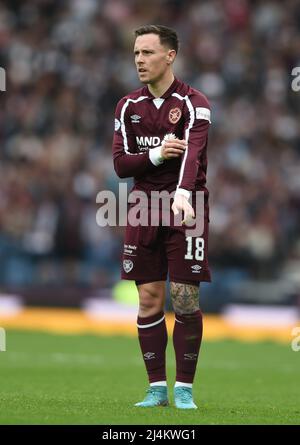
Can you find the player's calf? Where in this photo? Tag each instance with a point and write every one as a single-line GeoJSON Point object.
{"type": "Point", "coordinates": [187, 337]}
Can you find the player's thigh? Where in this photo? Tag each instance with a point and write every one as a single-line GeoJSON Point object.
{"type": "Point", "coordinates": [144, 258]}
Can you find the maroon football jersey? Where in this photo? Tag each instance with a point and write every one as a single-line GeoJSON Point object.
{"type": "Point", "coordinates": [141, 124]}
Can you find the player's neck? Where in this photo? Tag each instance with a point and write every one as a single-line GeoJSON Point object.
{"type": "Point", "coordinates": [159, 88]}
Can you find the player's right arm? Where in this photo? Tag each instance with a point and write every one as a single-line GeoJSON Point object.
{"type": "Point", "coordinates": [129, 163]}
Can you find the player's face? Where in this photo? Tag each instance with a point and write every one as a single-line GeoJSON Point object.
{"type": "Point", "coordinates": [152, 59]}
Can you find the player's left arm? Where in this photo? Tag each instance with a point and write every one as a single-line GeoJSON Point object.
{"type": "Point", "coordinates": [197, 122]}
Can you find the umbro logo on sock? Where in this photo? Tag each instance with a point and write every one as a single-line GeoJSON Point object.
{"type": "Point", "coordinates": [149, 355]}
{"type": "Point", "coordinates": [190, 356]}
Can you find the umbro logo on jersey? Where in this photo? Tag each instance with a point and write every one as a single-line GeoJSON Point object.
{"type": "Point", "coordinates": [196, 268]}
{"type": "Point", "coordinates": [149, 355]}
{"type": "Point", "coordinates": [135, 118]}
{"type": "Point", "coordinates": [127, 265]}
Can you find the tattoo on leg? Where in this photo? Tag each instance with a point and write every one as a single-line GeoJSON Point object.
{"type": "Point", "coordinates": [185, 298]}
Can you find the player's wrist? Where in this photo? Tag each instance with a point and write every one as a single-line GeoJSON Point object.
{"type": "Point", "coordinates": [183, 192]}
{"type": "Point", "coordinates": [155, 156]}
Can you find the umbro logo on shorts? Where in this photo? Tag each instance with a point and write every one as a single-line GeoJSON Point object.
{"type": "Point", "coordinates": [127, 265]}
{"type": "Point", "coordinates": [149, 355]}
{"type": "Point", "coordinates": [196, 268]}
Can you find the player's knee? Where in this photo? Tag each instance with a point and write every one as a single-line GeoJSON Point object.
{"type": "Point", "coordinates": [187, 310]}
{"type": "Point", "coordinates": [181, 308]}
{"type": "Point", "coordinates": [150, 300]}
{"type": "Point", "coordinates": [147, 305]}
{"type": "Point", "coordinates": [185, 298]}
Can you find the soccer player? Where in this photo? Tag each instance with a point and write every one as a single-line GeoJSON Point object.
{"type": "Point", "coordinates": [160, 140]}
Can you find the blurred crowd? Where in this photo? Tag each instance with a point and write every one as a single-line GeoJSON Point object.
{"type": "Point", "coordinates": [68, 62]}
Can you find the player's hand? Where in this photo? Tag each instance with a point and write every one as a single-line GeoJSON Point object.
{"type": "Point", "coordinates": [173, 148]}
{"type": "Point", "coordinates": [181, 203]}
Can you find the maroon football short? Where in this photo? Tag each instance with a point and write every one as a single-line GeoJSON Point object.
{"type": "Point", "coordinates": [151, 252]}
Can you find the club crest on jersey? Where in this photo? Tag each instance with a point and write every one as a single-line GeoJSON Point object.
{"type": "Point", "coordinates": [174, 115]}
{"type": "Point", "coordinates": [127, 265]}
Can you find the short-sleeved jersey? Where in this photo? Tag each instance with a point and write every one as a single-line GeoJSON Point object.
{"type": "Point", "coordinates": [141, 124]}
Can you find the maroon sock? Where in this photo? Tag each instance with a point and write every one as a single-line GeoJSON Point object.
{"type": "Point", "coordinates": [187, 336]}
{"type": "Point", "coordinates": [153, 339]}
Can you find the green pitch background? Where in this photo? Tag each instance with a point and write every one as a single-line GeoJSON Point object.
{"type": "Point", "coordinates": [61, 379]}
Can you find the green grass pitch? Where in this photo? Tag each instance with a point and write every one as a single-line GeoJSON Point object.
{"type": "Point", "coordinates": [86, 379]}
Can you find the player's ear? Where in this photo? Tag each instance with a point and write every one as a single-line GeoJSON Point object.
{"type": "Point", "coordinates": [171, 56]}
